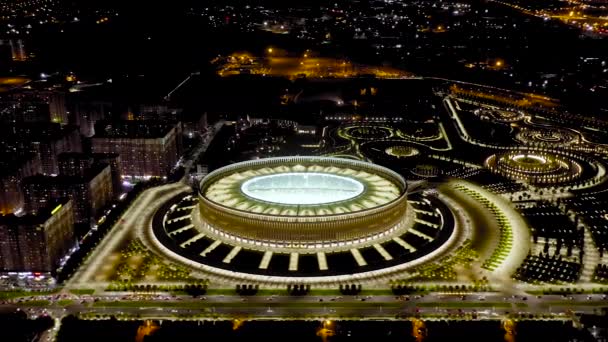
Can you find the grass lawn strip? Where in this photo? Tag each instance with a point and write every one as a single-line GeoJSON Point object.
{"type": "Point", "coordinates": [457, 305]}
{"type": "Point", "coordinates": [16, 294]}
{"type": "Point", "coordinates": [36, 303]}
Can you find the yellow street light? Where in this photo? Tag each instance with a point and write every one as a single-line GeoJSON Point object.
{"type": "Point", "coordinates": [270, 50]}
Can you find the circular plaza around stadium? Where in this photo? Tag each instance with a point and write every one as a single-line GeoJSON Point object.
{"type": "Point", "coordinates": [314, 218]}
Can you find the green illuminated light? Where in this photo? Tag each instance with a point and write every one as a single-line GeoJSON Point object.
{"type": "Point", "coordinates": [56, 209]}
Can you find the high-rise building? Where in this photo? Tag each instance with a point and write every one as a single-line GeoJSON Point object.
{"type": "Point", "coordinates": [13, 169]}
{"type": "Point", "coordinates": [78, 164]}
{"type": "Point", "coordinates": [36, 243]}
{"type": "Point", "coordinates": [146, 148]}
{"type": "Point", "coordinates": [113, 159]}
{"type": "Point", "coordinates": [47, 140]}
{"type": "Point", "coordinates": [18, 50]}
{"type": "Point", "coordinates": [90, 192]}
{"type": "Point", "coordinates": [36, 105]}
{"type": "Point", "coordinates": [155, 111]}
{"type": "Point", "coordinates": [15, 49]}
{"type": "Point", "coordinates": [49, 148]}
{"type": "Point", "coordinates": [89, 106]}
{"type": "Point", "coordinates": [74, 163]}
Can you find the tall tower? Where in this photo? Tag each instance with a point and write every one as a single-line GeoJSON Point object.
{"type": "Point", "coordinates": [17, 50]}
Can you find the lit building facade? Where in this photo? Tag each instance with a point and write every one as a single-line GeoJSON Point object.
{"type": "Point", "coordinates": [74, 164]}
{"type": "Point", "coordinates": [302, 202]}
{"type": "Point", "coordinates": [48, 140]}
{"type": "Point", "coordinates": [86, 108]}
{"type": "Point", "coordinates": [112, 159]}
{"type": "Point", "coordinates": [49, 149]}
{"type": "Point", "coordinates": [78, 164]}
{"type": "Point", "coordinates": [36, 243]}
{"type": "Point", "coordinates": [38, 105]}
{"type": "Point", "coordinates": [146, 148]}
{"type": "Point", "coordinates": [90, 193]}
{"type": "Point", "coordinates": [13, 169]}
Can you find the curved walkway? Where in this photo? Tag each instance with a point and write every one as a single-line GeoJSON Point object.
{"type": "Point", "coordinates": [379, 277]}
{"type": "Point", "coordinates": [521, 234]}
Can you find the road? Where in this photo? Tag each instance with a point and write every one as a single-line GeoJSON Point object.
{"type": "Point", "coordinates": [485, 305]}
{"type": "Point", "coordinates": [202, 147]}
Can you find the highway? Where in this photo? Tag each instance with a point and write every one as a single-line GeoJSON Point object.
{"type": "Point", "coordinates": [484, 305]}
{"type": "Point", "coordinates": [479, 306]}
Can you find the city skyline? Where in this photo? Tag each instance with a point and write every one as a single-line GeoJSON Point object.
{"type": "Point", "coordinates": [270, 165]}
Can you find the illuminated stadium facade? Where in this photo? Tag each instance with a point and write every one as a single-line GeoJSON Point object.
{"type": "Point", "coordinates": [302, 202]}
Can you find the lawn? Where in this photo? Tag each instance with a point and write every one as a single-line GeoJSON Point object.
{"type": "Point", "coordinates": [458, 305]}
{"type": "Point", "coordinates": [16, 294]}
{"type": "Point", "coordinates": [578, 303]}
{"type": "Point", "coordinates": [65, 302]}
{"type": "Point", "coordinates": [36, 303]}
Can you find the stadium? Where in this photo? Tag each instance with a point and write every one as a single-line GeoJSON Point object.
{"type": "Point", "coordinates": [303, 202]}
{"type": "Point", "coordinates": [311, 219]}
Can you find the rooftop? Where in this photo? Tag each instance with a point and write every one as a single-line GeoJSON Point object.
{"type": "Point", "coordinates": [146, 129]}
{"type": "Point", "coordinates": [40, 217]}
{"type": "Point", "coordinates": [67, 180]}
